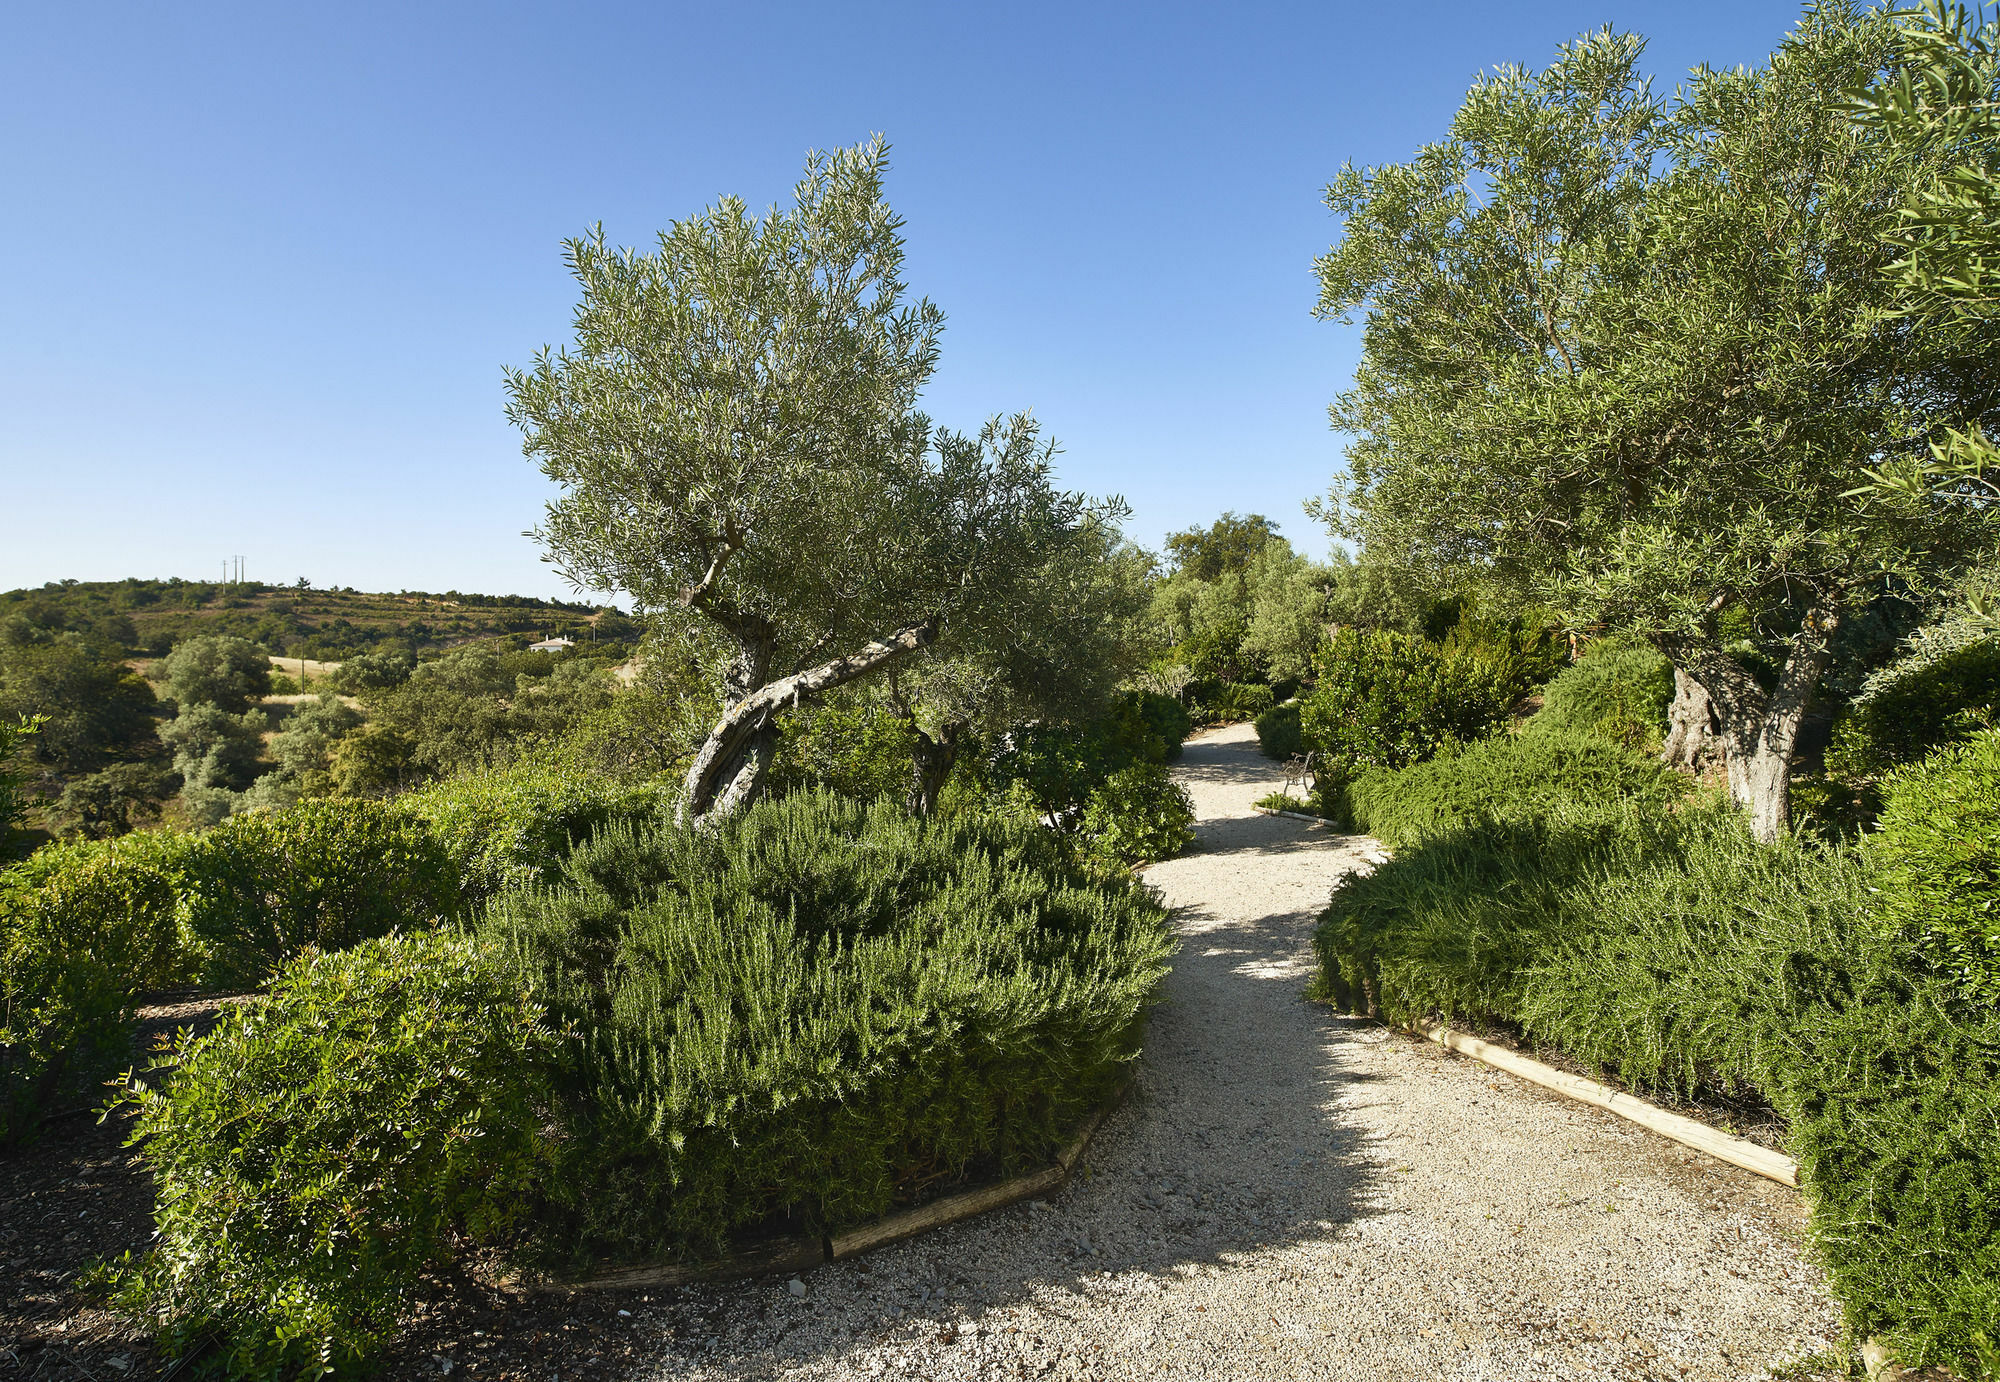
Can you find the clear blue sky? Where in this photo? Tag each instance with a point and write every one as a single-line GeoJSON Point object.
{"type": "Point", "coordinates": [260, 266]}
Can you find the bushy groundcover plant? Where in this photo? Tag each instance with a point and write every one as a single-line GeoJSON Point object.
{"type": "Point", "coordinates": [803, 1015]}
{"type": "Point", "coordinates": [83, 929]}
{"type": "Point", "coordinates": [817, 1009]}
{"type": "Point", "coordinates": [1510, 775]}
{"type": "Point", "coordinates": [512, 826]}
{"type": "Point", "coordinates": [328, 1141]}
{"type": "Point", "coordinates": [1670, 948]}
{"type": "Point", "coordinates": [1620, 691]}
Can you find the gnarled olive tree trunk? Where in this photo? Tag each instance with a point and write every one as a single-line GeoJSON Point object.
{"type": "Point", "coordinates": [1694, 741]}
{"type": "Point", "coordinates": [931, 761]}
{"type": "Point", "coordinates": [728, 771]}
{"type": "Point", "coordinates": [1759, 728]}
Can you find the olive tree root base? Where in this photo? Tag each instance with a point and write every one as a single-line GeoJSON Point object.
{"type": "Point", "coordinates": [1720, 1145]}
{"type": "Point", "coordinates": [787, 1255]}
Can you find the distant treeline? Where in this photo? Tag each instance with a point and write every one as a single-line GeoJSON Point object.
{"type": "Point", "coordinates": [147, 617]}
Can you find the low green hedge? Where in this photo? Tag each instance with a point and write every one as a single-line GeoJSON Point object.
{"type": "Point", "coordinates": [1673, 950]}
{"type": "Point", "coordinates": [816, 1010]}
{"type": "Point", "coordinates": [1279, 735]}
{"type": "Point", "coordinates": [1938, 850]}
{"type": "Point", "coordinates": [1501, 775]}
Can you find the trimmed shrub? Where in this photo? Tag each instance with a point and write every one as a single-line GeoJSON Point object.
{"type": "Point", "coordinates": [1939, 855]}
{"type": "Point", "coordinates": [1060, 765]}
{"type": "Point", "coordinates": [1506, 776]}
{"type": "Point", "coordinates": [1386, 700]}
{"type": "Point", "coordinates": [260, 888]}
{"type": "Point", "coordinates": [1937, 695]}
{"type": "Point", "coordinates": [322, 1146]}
{"type": "Point", "coordinates": [509, 827]}
{"type": "Point", "coordinates": [1279, 735]}
{"type": "Point", "coordinates": [818, 1009]}
{"type": "Point", "coordinates": [1139, 815]}
{"type": "Point", "coordinates": [1158, 718]}
{"type": "Point", "coordinates": [83, 929]}
{"type": "Point", "coordinates": [1620, 690]}
{"type": "Point", "coordinates": [1678, 953]}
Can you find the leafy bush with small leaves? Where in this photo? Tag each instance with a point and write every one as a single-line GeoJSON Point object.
{"type": "Point", "coordinates": [1620, 690]}
{"type": "Point", "coordinates": [1386, 699]}
{"type": "Point", "coordinates": [1506, 775]}
{"type": "Point", "coordinates": [1673, 950]}
{"type": "Point", "coordinates": [322, 1147]}
{"type": "Point", "coordinates": [1139, 816]}
{"type": "Point", "coordinates": [1938, 851]}
{"type": "Point", "coordinates": [1279, 735]}
{"type": "Point", "coordinates": [1931, 698]}
{"type": "Point", "coordinates": [84, 928]}
{"type": "Point", "coordinates": [510, 827]}
{"type": "Point", "coordinates": [259, 888]}
{"type": "Point", "coordinates": [820, 1008]}
{"type": "Point", "coordinates": [1060, 765]}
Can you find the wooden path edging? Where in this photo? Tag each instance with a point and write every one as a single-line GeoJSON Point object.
{"type": "Point", "coordinates": [1291, 815]}
{"type": "Point", "coordinates": [1734, 1150]}
{"type": "Point", "coordinates": [801, 1253]}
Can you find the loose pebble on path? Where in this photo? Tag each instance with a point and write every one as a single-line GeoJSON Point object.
{"type": "Point", "coordinates": [1293, 1194]}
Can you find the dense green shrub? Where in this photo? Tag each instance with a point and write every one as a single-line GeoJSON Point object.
{"type": "Point", "coordinates": [84, 928]}
{"type": "Point", "coordinates": [1059, 765]}
{"type": "Point", "coordinates": [1386, 700]}
{"type": "Point", "coordinates": [852, 746]}
{"type": "Point", "coordinates": [1148, 718]}
{"type": "Point", "coordinates": [1139, 815]}
{"type": "Point", "coordinates": [320, 1148]}
{"type": "Point", "coordinates": [1935, 695]}
{"type": "Point", "coordinates": [1678, 953]}
{"type": "Point", "coordinates": [1939, 854]}
{"type": "Point", "coordinates": [1279, 734]}
{"type": "Point", "coordinates": [1505, 775]}
{"type": "Point", "coordinates": [820, 1007]}
{"type": "Point", "coordinates": [512, 826]}
{"type": "Point", "coordinates": [1620, 690]}
{"type": "Point", "coordinates": [261, 887]}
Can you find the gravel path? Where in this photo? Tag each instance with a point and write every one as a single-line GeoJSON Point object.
{"type": "Point", "coordinates": [1293, 1194]}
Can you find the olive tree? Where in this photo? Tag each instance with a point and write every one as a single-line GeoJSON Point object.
{"type": "Point", "coordinates": [1630, 354]}
{"type": "Point", "coordinates": [735, 433]}
{"type": "Point", "coordinates": [1058, 654]}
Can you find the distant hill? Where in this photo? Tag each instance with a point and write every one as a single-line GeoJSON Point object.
{"type": "Point", "coordinates": [150, 616]}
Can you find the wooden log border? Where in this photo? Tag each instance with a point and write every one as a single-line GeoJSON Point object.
{"type": "Point", "coordinates": [1720, 1145]}
{"type": "Point", "coordinates": [788, 1255]}
{"type": "Point", "coordinates": [1292, 815]}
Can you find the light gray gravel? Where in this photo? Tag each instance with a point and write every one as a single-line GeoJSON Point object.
{"type": "Point", "coordinates": [1292, 1194]}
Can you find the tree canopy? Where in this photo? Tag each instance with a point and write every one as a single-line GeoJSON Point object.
{"type": "Point", "coordinates": [735, 433]}
{"type": "Point", "coordinates": [1635, 356]}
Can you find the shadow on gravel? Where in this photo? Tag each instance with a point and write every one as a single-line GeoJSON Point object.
{"type": "Point", "coordinates": [1234, 1142]}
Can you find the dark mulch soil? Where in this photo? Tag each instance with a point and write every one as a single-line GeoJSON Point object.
{"type": "Point", "coordinates": [78, 1195]}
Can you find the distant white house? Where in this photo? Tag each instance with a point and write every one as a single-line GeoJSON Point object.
{"type": "Point", "coordinates": [551, 645]}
